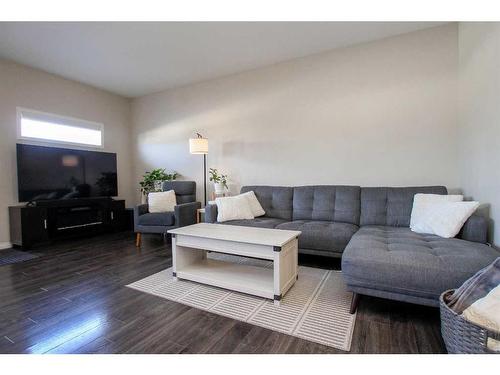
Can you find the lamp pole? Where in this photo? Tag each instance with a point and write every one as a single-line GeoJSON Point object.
{"type": "Point", "coordinates": [205, 178]}
{"type": "Point", "coordinates": [199, 145]}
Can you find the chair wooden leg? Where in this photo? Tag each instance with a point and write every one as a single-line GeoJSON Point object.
{"type": "Point", "coordinates": [354, 303]}
{"type": "Point", "coordinates": [138, 239]}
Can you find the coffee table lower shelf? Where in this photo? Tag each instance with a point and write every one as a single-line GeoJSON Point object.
{"type": "Point", "coordinates": [190, 262]}
{"type": "Point", "coordinates": [238, 277]}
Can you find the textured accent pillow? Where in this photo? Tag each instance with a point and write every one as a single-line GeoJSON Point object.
{"type": "Point", "coordinates": [447, 218]}
{"type": "Point", "coordinates": [233, 208]}
{"type": "Point", "coordinates": [162, 201]}
{"type": "Point", "coordinates": [420, 210]}
{"type": "Point", "coordinates": [254, 203]}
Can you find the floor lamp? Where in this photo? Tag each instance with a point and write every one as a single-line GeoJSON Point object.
{"type": "Point", "coordinates": [199, 146]}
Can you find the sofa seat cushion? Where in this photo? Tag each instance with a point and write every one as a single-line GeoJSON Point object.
{"type": "Point", "coordinates": [397, 260]}
{"type": "Point", "coordinates": [322, 235]}
{"type": "Point", "coordinates": [166, 219]}
{"type": "Point", "coordinates": [259, 222]}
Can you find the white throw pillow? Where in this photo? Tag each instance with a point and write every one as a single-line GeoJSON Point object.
{"type": "Point", "coordinates": [163, 201]}
{"type": "Point", "coordinates": [447, 218]}
{"type": "Point", "coordinates": [420, 210]}
{"type": "Point", "coordinates": [233, 208]}
{"type": "Point", "coordinates": [255, 206]}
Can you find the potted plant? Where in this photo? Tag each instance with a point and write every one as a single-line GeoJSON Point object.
{"type": "Point", "coordinates": [152, 181]}
{"type": "Point", "coordinates": [219, 180]}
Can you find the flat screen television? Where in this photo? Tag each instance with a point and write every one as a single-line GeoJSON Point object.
{"type": "Point", "coordinates": [50, 173]}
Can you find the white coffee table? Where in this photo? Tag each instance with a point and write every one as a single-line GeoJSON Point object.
{"type": "Point", "coordinates": [189, 257]}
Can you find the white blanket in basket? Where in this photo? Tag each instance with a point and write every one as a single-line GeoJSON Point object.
{"type": "Point", "coordinates": [486, 313]}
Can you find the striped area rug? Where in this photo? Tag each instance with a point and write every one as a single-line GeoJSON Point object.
{"type": "Point", "coordinates": [11, 256]}
{"type": "Point", "coordinates": [316, 308]}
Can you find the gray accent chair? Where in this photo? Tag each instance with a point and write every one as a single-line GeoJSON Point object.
{"type": "Point", "coordinates": [184, 212]}
{"type": "Point", "coordinates": [369, 229]}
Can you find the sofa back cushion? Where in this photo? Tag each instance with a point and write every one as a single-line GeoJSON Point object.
{"type": "Point", "coordinates": [275, 200]}
{"type": "Point", "coordinates": [391, 205]}
{"type": "Point", "coordinates": [327, 202]}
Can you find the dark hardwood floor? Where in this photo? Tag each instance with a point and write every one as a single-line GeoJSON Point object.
{"type": "Point", "coordinates": [73, 299]}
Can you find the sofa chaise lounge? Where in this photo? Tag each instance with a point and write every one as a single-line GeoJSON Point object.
{"type": "Point", "coordinates": [369, 229]}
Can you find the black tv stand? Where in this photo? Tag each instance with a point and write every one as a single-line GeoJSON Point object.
{"type": "Point", "coordinates": [51, 220]}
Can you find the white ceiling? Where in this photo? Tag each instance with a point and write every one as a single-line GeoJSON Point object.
{"type": "Point", "coordinates": [137, 58]}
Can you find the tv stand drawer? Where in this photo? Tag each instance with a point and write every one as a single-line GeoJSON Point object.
{"type": "Point", "coordinates": [74, 217]}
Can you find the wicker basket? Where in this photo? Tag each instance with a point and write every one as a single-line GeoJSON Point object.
{"type": "Point", "coordinates": [460, 335]}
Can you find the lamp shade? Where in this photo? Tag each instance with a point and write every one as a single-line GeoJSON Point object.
{"type": "Point", "coordinates": [198, 146]}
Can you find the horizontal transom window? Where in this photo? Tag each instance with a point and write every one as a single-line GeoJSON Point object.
{"type": "Point", "coordinates": [53, 128]}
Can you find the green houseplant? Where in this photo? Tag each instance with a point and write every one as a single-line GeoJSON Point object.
{"type": "Point", "coordinates": [219, 180]}
{"type": "Point", "coordinates": [151, 181]}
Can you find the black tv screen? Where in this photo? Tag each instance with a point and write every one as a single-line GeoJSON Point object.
{"type": "Point", "coordinates": [48, 173]}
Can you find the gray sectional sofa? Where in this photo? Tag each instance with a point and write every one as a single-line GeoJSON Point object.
{"type": "Point", "coordinates": [369, 229]}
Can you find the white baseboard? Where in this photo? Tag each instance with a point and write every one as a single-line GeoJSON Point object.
{"type": "Point", "coordinates": [5, 245]}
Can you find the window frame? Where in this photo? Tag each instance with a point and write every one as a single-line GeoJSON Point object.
{"type": "Point", "coordinates": [58, 119]}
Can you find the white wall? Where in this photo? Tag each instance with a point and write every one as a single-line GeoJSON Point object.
{"type": "Point", "coordinates": [30, 88]}
{"type": "Point", "coordinates": [381, 113]}
{"type": "Point", "coordinates": [479, 116]}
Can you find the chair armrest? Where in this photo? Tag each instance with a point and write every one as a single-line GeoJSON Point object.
{"type": "Point", "coordinates": [211, 213]}
{"type": "Point", "coordinates": [138, 211]}
{"type": "Point", "coordinates": [475, 229]}
{"type": "Point", "coordinates": [185, 213]}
